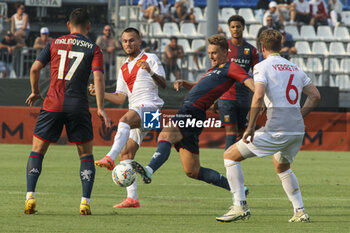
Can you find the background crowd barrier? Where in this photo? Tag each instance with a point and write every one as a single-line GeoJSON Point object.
{"type": "Point", "coordinates": [324, 130]}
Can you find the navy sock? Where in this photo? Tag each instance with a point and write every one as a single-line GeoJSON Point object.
{"type": "Point", "coordinates": [34, 165]}
{"type": "Point", "coordinates": [213, 177]}
{"type": "Point", "coordinates": [160, 156]}
{"type": "Point", "coordinates": [230, 140]}
{"type": "Point", "coordinates": [87, 174]}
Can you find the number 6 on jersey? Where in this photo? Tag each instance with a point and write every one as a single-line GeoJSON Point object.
{"type": "Point", "coordinates": [63, 53]}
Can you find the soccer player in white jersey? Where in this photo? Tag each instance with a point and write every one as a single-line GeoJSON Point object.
{"type": "Point", "coordinates": [138, 79]}
{"type": "Point", "coordinates": [280, 84]}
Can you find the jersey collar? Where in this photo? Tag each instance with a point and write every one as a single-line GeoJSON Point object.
{"type": "Point", "coordinates": [136, 58]}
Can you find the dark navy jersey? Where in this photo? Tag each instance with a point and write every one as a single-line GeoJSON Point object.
{"type": "Point", "coordinates": [214, 83]}
{"type": "Point", "coordinates": [72, 58]}
{"type": "Point", "coordinates": [246, 56]}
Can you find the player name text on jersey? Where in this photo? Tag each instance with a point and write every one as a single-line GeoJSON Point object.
{"type": "Point", "coordinates": [285, 67]}
{"type": "Point", "coordinates": [76, 42]}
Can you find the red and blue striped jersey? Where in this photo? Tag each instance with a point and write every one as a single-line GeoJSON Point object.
{"type": "Point", "coordinates": [214, 83]}
{"type": "Point", "coordinates": [72, 58]}
{"type": "Point", "coordinates": [247, 57]}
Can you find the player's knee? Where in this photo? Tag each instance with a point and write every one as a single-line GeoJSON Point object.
{"type": "Point", "coordinates": [191, 174]}
{"type": "Point", "coordinates": [125, 156]}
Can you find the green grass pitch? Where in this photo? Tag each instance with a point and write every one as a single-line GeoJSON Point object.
{"type": "Point", "coordinates": [172, 202]}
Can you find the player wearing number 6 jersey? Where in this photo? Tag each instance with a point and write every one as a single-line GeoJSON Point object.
{"type": "Point", "coordinates": [279, 83]}
{"type": "Point", "coordinates": [72, 58]}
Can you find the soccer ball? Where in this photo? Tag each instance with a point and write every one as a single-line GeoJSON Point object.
{"type": "Point", "coordinates": [123, 175]}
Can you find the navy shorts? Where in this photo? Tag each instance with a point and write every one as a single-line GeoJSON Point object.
{"type": "Point", "coordinates": [233, 111]}
{"type": "Point", "coordinates": [190, 134]}
{"type": "Point", "coordinates": [78, 126]}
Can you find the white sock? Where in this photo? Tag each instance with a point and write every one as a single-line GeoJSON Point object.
{"type": "Point", "coordinates": [235, 178]}
{"type": "Point", "coordinates": [29, 193]}
{"type": "Point", "coordinates": [132, 189]}
{"type": "Point", "coordinates": [84, 198]}
{"type": "Point", "coordinates": [120, 140]}
{"type": "Point", "coordinates": [149, 169]}
{"type": "Point", "coordinates": [291, 187]}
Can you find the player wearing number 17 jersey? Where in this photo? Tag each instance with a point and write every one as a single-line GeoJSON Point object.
{"type": "Point", "coordinates": [72, 58]}
{"type": "Point", "coordinates": [280, 84]}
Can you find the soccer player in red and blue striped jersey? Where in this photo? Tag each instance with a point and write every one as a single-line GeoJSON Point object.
{"type": "Point", "coordinates": [72, 58]}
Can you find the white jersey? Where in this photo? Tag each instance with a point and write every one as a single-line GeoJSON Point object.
{"type": "Point", "coordinates": [284, 83]}
{"type": "Point", "coordinates": [137, 84]}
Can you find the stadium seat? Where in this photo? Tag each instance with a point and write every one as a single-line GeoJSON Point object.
{"type": "Point", "coordinates": [189, 31]}
{"type": "Point", "coordinates": [225, 14]}
{"type": "Point", "coordinates": [252, 42]}
{"type": "Point", "coordinates": [319, 48]}
{"type": "Point", "coordinates": [348, 48]}
{"type": "Point", "coordinates": [197, 11]}
{"type": "Point", "coordinates": [324, 33]}
{"type": "Point", "coordinates": [299, 61]}
{"type": "Point", "coordinates": [197, 43]}
{"type": "Point", "coordinates": [202, 28]}
{"type": "Point", "coordinates": [185, 44]}
{"type": "Point", "coordinates": [314, 65]}
{"type": "Point", "coordinates": [336, 48]}
{"type": "Point", "coordinates": [342, 81]}
{"type": "Point", "coordinates": [314, 78]}
{"type": "Point", "coordinates": [303, 47]}
{"type": "Point", "coordinates": [253, 30]}
{"type": "Point", "coordinates": [334, 65]}
{"type": "Point", "coordinates": [345, 17]}
{"type": "Point", "coordinates": [345, 65]}
{"type": "Point", "coordinates": [156, 30]}
{"type": "Point", "coordinates": [341, 34]}
{"type": "Point", "coordinates": [163, 43]}
{"type": "Point", "coordinates": [225, 29]}
{"type": "Point", "coordinates": [247, 14]}
{"type": "Point", "coordinates": [292, 29]}
{"type": "Point", "coordinates": [171, 29]}
{"type": "Point", "coordinates": [307, 32]}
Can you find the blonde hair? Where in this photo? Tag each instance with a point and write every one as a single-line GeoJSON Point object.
{"type": "Point", "coordinates": [271, 40]}
{"type": "Point", "coordinates": [219, 40]}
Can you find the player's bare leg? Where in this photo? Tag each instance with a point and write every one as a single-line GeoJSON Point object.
{"type": "Point", "coordinates": [126, 156]}
{"type": "Point", "coordinates": [34, 166]}
{"type": "Point", "coordinates": [291, 187]}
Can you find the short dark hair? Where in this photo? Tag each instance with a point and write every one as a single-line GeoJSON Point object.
{"type": "Point", "coordinates": [219, 40]}
{"type": "Point", "coordinates": [131, 29]}
{"type": "Point", "coordinates": [173, 38]}
{"type": "Point", "coordinates": [79, 17]}
{"type": "Point", "coordinates": [271, 40]}
{"type": "Point", "coordinates": [236, 18]}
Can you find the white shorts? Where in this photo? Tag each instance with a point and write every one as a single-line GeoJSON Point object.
{"type": "Point", "coordinates": [138, 134]}
{"type": "Point", "coordinates": [283, 147]}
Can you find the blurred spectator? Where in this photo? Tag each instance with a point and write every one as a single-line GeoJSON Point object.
{"type": "Point", "coordinates": [283, 9]}
{"type": "Point", "coordinates": [335, 9]}
{"type": "Point", "coordinates": [319, 12]}
{"type": "Point", "coordinates": [7, 45]}
{"type": "Point", "coordinates": [20, 24]}
{"type": "Point", "coordinates": [184, 10]}
{"type": "Point", "coordinates": [261, 7]}
{"type": "Point", "coordinates": [300, 12]}
{"type": "Point", "coordinates": [269, 25]}
{"type": "Point", "coordinates": [42, 40]}
{"type": "Point", "coordinates": [148, 8]}
{"type": "Point", "coordinates": [164, 12]}
{"type": "Point", "coordinates": [288, 45]}
{"type": "Point", "coordinates": [108, 45]}
{"type": "Point", "coordinates": [172, 52]}
{"type": "Point", "coordinates": [274, 14]}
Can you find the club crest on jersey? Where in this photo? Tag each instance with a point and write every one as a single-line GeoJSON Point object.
{"type": "Point", "coordinates": [139, 61]}
{"type": "Point", "coordinates": [227, 118]}
{"type": "Point", "coordinates": [246, 51]}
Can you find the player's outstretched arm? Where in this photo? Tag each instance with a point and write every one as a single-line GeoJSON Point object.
{"type": "Point", "coordinates": [115, 98]}
{"type": "Point", "coordinates": [256, 106]}
{"type": "Point", "coordinates": [249, 82]}
{"type": "Point", "coordinates": [313, 97]}
{"type": "Point", "coordinates": [183, 83]}
{"type": "Point", "coordinates": [99, 92]}
{"type": "Point", "coordinates": [34, 82]}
